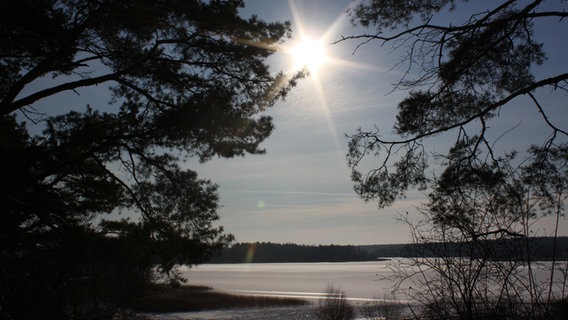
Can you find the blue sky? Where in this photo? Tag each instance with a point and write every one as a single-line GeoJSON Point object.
{"type": "Point", "coordinates": [301, 191]}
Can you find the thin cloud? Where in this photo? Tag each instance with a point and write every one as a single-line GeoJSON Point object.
{"type": "Point", "coordinates": [310, 193]}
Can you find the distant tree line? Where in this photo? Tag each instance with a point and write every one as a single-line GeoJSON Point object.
{"type": "Point", "coordinates": [267, 252]}
{"type": "Point", "coordinates": [539, 248]}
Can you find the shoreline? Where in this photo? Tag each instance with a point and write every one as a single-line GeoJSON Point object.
{"type": "Point", "coordinates": [191, 298]}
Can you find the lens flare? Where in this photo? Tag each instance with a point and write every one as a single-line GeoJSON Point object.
{"type": "Point", "coordinates": [250, 253]}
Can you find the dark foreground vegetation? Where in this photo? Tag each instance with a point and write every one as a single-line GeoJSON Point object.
{"type": "Point", "coordinates": [337, 307]}
{"type": "Point", "coordinates": [157, 83]}
{"type": "Point", "coordinates": [466, 79]}
{"type": "Point", "coordinates": [164, 299]}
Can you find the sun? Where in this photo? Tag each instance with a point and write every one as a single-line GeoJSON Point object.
{"type": "Point", "coordinates": [309, 54]}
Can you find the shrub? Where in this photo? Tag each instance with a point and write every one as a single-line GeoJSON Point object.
{"type": "Point", "coordinates": [334, 305]}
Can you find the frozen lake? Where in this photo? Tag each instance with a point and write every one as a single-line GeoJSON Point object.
{"type": "Point", "coordinates": [361, 281]}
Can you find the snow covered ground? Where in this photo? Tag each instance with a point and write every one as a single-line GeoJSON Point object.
{"type": "Point", "coordinates": [280, 313]}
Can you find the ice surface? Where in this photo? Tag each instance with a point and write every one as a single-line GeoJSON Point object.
{"type": "Point", "coordinates": [360, 280]}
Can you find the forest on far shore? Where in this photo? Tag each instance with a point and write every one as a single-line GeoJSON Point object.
{"type": "Point", "coordinates": [542, 248]}
{"type": "Point", "coordinates": [267, 252]}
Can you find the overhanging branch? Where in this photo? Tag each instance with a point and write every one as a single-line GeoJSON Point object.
{"type": "Point", "coordinates": [527, 90]}
{"type": "Point", "coordinates": [10, 107]}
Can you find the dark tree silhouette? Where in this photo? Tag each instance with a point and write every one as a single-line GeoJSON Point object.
{"type": "Point", "coordinates": [459, 77]}
{"type": "Point", "coordinates": [462, 76]}
{"type": "Point", "coordinates": [475, 255]}
{"type": "Point", "coordinates": [186, 79]}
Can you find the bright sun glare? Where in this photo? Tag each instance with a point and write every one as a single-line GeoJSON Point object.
{"type": "Point", "coordinates": [309, 54]}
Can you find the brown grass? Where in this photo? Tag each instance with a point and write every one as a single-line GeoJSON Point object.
{"type": "Point", "coordinates": [165, 299]}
